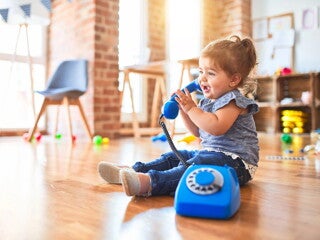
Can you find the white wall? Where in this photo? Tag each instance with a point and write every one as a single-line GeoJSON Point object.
{"type": "Point", "coordinates": [307, 41]}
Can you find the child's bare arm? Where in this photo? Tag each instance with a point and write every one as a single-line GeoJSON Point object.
{"type": "Point", "coordinates": [217, 123]}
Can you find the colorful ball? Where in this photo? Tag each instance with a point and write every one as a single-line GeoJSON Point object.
{"type": "Point", "coordinates": [97, 140]}
{"type": "Point", "coordinates": [105, 140]}
{"type": "Point", "coordinates": [38, 137]}
{"type": "Point", "coordinates": [58, 136]}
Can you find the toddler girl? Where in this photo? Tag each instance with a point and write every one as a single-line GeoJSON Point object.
{"type": "Point", "coordinates": [223, 120]}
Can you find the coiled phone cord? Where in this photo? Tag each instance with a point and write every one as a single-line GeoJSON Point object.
{"type": "Point", "coordinates": [172, 146]}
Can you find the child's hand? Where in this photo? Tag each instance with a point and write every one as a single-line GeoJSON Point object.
{"type": "Point", "coordinates": [185, 100]}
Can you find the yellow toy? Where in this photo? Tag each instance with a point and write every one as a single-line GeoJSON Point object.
{"type": "Point", "coordinates": [188, 139]}
{"type": "Point", "coordinates": [293, 121]}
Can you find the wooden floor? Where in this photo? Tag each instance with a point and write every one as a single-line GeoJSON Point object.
{"type": "Point", "coordinates": [51, 190]}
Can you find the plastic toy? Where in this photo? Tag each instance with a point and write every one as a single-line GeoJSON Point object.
{"type": "Point", "coordinates": [208, 191]}
{"type": "Point", "coordinates": [160, 137]}
{"type": "Point", "coordinates": [285, 71]}
{"type": "Point", "coordinates": [188, 139]}
{"type": "Point", "coordinates": [286, 138]}
{"type": "Point", "coordinates": [285, 158]}
{"type": "Point", "coordinates": [38, 137]}
{"type": "Point", "coordinates": [97, 140]}
{"type": "Point", "coordinates": [314, 136]}
{"type": "Point", "coordinates": [58, 136]}
{"type": "Point", "coordinates": [288, 151]}
{"type": "Point", "coordinates": [170, 109]}
{"type": "Point", "coordinates": [105, 140]}
{"type": "Point", "coordinates": [293, 121]}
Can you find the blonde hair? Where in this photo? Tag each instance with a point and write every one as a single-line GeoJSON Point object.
{"type": "Point", "coordinates": [234, 56]}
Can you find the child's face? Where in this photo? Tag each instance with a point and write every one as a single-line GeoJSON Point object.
{"type": "Point", "coordinates": [214, 81]}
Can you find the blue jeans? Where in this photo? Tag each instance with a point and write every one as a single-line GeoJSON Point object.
{"type": "Point", "coordinates": [166, 171]}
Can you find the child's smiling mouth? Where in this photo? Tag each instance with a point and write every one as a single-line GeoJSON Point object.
{"type": "Point", "coordinates": [205, 88]}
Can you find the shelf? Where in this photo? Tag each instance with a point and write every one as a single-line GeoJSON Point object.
{"type": "Point", "coordinates": [264, 120]}
{"type": "Point", "coordinates": [294, 104]}
{"type": "Point", "coordinates": [317, 89]}
{"type": "Point", "coordinates": [292, 86]}
{"type": "Point", "coordinates": [298, 119]}
{"type": "Point", "coordinates": [265, 104]}
{"type": "Point", "coordinates": [273, 89]}
{"type": "Point", "coordinates": [317, 119]}
{"type": "Point", "coordinates": [265, 91]}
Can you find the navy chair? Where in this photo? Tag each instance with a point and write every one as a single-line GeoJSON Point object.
{"type": "Point", "coordinates": [67, 84]}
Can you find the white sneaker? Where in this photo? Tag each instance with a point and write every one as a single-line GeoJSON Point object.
{"type": "Point", "coordinates": [132, 185]}
{"type": "Point", "coordinates": [110, 172]}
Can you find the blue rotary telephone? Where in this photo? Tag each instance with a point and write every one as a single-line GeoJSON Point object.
{"type": "Point", "coordinates": [208, 191]}
{"type": "Point", "coordinates": [205, 191]}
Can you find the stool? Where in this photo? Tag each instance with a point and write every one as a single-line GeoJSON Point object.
{"type": "Point", "coordinates": [154, 70]}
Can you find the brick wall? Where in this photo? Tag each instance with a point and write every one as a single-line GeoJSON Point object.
{"type": "Point", "coordinates": [89, 29]}
{"type": "Point", "coordinates": [223, 18]}
{"type": "Point", "coordinates": [106, 97]}
{"type": "Point", "coordinates": [157, 29]}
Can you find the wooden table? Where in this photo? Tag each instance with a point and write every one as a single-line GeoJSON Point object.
{"type": "Point", "coordinates": [150, 71]}
{"type": "Point", "coordinates": [153, 70]}
{"type": "Point", "coordinates": [186, 65]}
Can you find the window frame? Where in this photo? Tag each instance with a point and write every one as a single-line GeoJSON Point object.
{"type": "Point", "coordinates": [138, 85]}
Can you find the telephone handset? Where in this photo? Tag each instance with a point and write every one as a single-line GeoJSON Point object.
{"type": "Point", "coordinates": [170, 109]}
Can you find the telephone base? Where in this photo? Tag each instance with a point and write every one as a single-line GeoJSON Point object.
{"type": "Point", "coordinates": [208, 191]}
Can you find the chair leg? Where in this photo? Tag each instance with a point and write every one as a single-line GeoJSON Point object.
{"type": "Point", "coordinates": [84, 120]}
{"type": "Point", "coordinates": [66, 102]}
{"type": "Point", "coordinates": [42, 110]}
{"type": "Point", "coordinates": [57, 119]}
{"type": "Point", "coordinates": [135, 122]}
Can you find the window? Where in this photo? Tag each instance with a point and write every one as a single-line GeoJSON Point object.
{"type": "Point", "coordinates": [183, 42]}
{"type": "Point", "coordinates": [184, 39]}
{"type": "Point", "coordinates": [16, 94]}
{"type": "Point", "coordinates": [133, 50]}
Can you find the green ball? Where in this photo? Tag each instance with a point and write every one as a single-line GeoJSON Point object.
{"type": "Point", "coordinates": [286, 138]}
{"type": "Point", "coordinates": [58, 136]}
{"type": "Point", "coordinates": [97, 140]}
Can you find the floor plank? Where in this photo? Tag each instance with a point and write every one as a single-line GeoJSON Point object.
{"type": "Point", "coordinates": [51, 190]}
